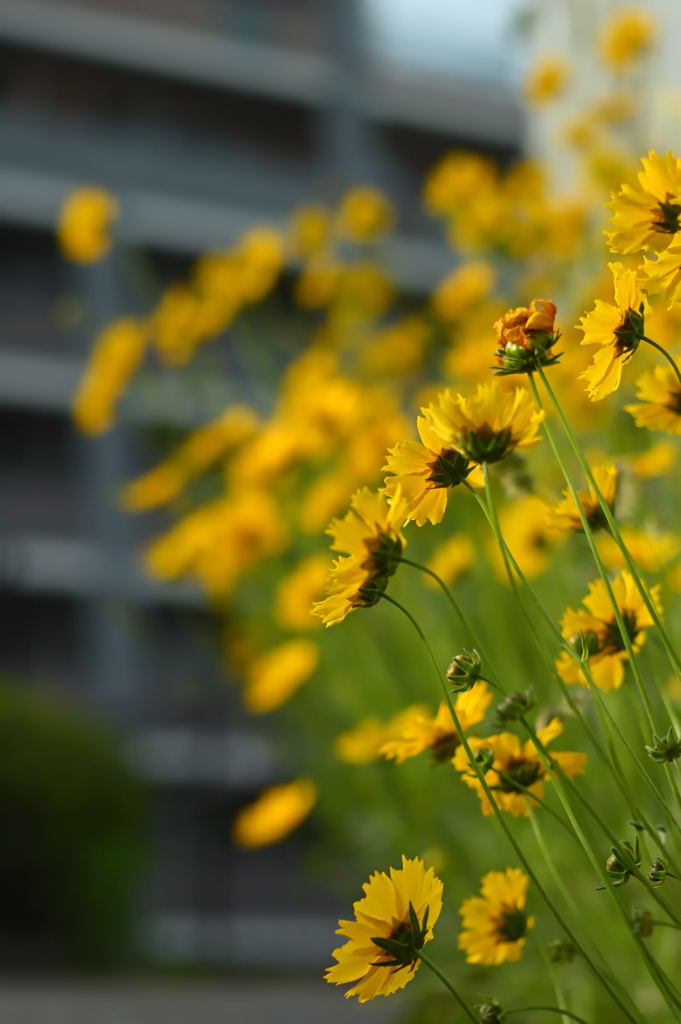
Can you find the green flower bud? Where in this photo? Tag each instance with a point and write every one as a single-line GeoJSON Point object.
{"type": "Point", "coordinates": [642, 922]}
{"type": "Point", "coordinates": [562, 951]}
{"type": "Point", "coordinates": [665, 749]}
{"type": "Point", "coordinates": [463, 670]}
{"type": "Point", "coordinates": [514, 706]}
{"type": "Point", "coordinates": [491, 1012]}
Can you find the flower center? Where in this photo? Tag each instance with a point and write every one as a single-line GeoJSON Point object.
{"type": "Point", "coordinates": [448, 469]}
{"type": "Point", "coordinates": [513, 925]}
{"type": "Point", "coordinates": [668, 217]}
{"type": "Point", "coordinates": [610, 637]}
{"type": "Point", "coordinates": [629, 333]}
{"type": "Point", "coordinates": [673, 403]}
{"type": "Point", "coordinates": [380, 564]}
{"type": "Point", "coordinates": [486, 445]}
{"type": "Point", "coordinates": [519, 774]}
{"type": "Point", "coordinates": [444, 747]}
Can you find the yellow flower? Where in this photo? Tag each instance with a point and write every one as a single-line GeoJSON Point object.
{"type": "Point", "coordinates": [495, 923]}
{"type": "Point", "coordinates": [276, 812]}
{"type": "Point", "coordinates": [657, 461]}
{"type": "Point", "coordinates": [528, 535]}
{"type": "Point", "coordinates": [525, 336]}
{"type": "Point", "coordinates": [451, 559]}
{"type": "Point", "coordinates": [202, 448]}
{"type": "Point", "coordinates": [489, 424]}
{"type": "Point", "coordinates": [660, 395]}
{"type": "Point", "coordinates": [84, 222]}
{"type": "Point", "coordinates": [438, 735]}
{"type": "Point", "coordinates": [650, 551]}
{"type": "Point", "coordinates": [365, 215]}
{"type": "Point", "coordinates": [118, 351]}
{"type": "Point", "coordinates": [457, 179]}
{"type": "Point", "coordinates": [370, 537]}
{"type": "Point", "coordinates": [273, 677]}
{"type": "Point", "coordinates": [547, 80]}
{"type": "Point", "coordinates": [626, 36]}
{"type": "Point", "coordinates": [219, 541]}
{"type": "Point", "coordinates": [663, 274]}
{"type": "Point", "coordinates": [516, 767]}
{"type": "Point", "coordinates": [310, 230]}
{"type": "Point", "coordinates": [646, 216]}
{"type": "Point", "coordinates": [617, 329]}
{"type": "Point", "coordinates": [423, 472]}
{"type": "Point", "coordinates": [565, 515]}
{"type": "Point", "coordinates": [462, 289]}
{"type": "Point", "coordinates": [296, 593]}
{"type": "Point", "coordinates": [386, 912]}
{"type": "Point", "coordinates": [398, 348]}
{"type": "Point", "coordinates": [362, 743]}
{"type": "Point", "coordinates": [594, 626]}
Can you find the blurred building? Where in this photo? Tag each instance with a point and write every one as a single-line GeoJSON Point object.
{"type": "Point", "coordinates": [205, 118]}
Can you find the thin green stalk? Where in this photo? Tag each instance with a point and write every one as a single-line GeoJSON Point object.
{"type": "Point", "coordinates": [668, 357]}
{"type": "Point", "coordinates": [445, 981]}
{"type": "Point", "coordinates": [667, 924]}
{"type": "Point", "coordinates": [548, 1009]}
{"type": "Point", "coordinates": [548, 859]}
{"type": "Point", "coordinates": [461, 615]}
{"type": "Point", "coordinates": [670, 650]}
{"type": "Point", "coordinates": [588, 533]}
{"type": "Point", "coordinates": [504, 827]}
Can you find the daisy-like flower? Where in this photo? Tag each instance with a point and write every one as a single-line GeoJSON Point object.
{"type": "Point", "coordinates": [525, 337]}
{"type": "Point", "coordinates": [495, 923]}
{"type": "Point", "coordinates": [276, 812]}
{"type": "Point", "coordinates": [565, 515]}
{"type": "Point", "coordinates": [370, 538]}
{"type": "Point", "coordinates": [516, 767]}
{"type": "Point", "coordinates": [659, 393]}
{"type": "Point", "coordinates": [393, 921]}
{"type": "Point", "coordinates": [646, 216]}
{"type": "Point", "coordinates": [438, 735]}
{"type": "Point", "coordinates": [662, 273]}
{"type": "Point", "coordinates": [617, 329]}
{"type": "Point", "coordinates": [595, 628]}
{"type": "Point", "coordinates": [424, 472]}
{"type": "Point", "coordinates": [490, 423]}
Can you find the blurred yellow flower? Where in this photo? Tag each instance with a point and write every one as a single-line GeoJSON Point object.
{"type": "Point", "coordinates": [274, 676]}
{"type": "Point", "coordinates": [202, 448]}
{"type": "Point", "coordinates": [297, 591]}
{"type": "Point", "coordinates": [657, 461]}
{"type": "Point", "coordinates": [456, 179]}
{"type": "Point", "coordinates": [386, 911]}
{"type": "Point", "coordinates": [565, 515]}
{"type": "Point", "coordinates": [275, 814]}
{"type": "Point", "coordinates": [463, 288]}
{"type": "Point", "coordinates": [83, 229]}
{"type": "Point", "coordinates": [365, 215]}
{"type": "Point", "coordinates": [547, 80]}
{"type": "Point", "coordinates": [517, 767]}
{"type": "Point", "coordinates": [650, 551]}
{"type": "Point", "coordinates": [451, 560]}
{"type": "Point", "coordinates": [362, 743]}
{"type": "Point", "coordinates": [646, 216]}
{"type": "Point", "coordinates": [529, 535]}
{"type": "Point", "coordinates": [494, 924]}
{"type": "Point", "coordinates": [117, 353]}
{"type": "Point", "coordinates": [626, 37]}
{"type": "Point", "coordinates": [309, 230]}
{"type": "Point", "coordinates": [594, 627]}
{"type": "Point", "coordinates": [659, 394]}
{"type": "Point", "coordinates": [438, 735]}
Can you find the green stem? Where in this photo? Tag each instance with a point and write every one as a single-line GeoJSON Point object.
{"type": "Point", "coordinates": [588, 533]}
{"type": "Point", "coordinates": [503, 825]}
{"type": "Point", "coordinates": [448, 985]}
{"type": "Point", "coordinates": [668, 357]}
{"type": "Point", "coordinates": [458, 610]}
{"type": "Point", "coordinates": [548, 1009]}
{"type": "Point", "coordinates": [670, 650]}
{"type": "Point", "coordinates": [667, 924]}
{"type": "Point", "coordinates": [546, 854]}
